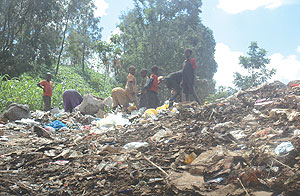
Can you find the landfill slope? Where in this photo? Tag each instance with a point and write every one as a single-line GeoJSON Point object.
{"type": "Point", "coordinates": [247, 144]}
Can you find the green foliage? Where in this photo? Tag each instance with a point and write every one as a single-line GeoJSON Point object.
{"type": "Point", "coordinates": [32, 31]}
{"type": "Point", "coordinates": [28, 35]}
{"type": "Point", "coordinates": [110, 53]}
{"type": "Point", "coordinates": [255, 63]}
{"type": "Point", "coordinates": [24, 89]}
{"type": "Point", "coordinates": [85, 31]}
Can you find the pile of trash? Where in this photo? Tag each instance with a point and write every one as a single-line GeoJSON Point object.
{"type": "Point", "coordinates": [247, 144]}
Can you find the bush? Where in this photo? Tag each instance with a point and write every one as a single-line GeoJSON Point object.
{"type": "Point", "coordinates": [24, 90]}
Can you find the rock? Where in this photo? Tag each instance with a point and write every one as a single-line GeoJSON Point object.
{"type": "Point", "coordinates": [17, 112]}
{"type": "Point", "coordinates": [3, 120]}
{"type": "Point", "coordinates": [1, 132]}
{"type": "Point", "coordinates": [55, 110]}
{"type": "Point", "coordinates": [108, 101]}
{"type": "Point", "coordinates": [90, 105]}
{"type": "Point", "coordinates": [41, 132]}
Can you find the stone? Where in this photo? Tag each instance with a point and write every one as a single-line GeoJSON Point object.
{"type": "Point", "coordinates": [17, 112]}
{"type": "Point", "coordinates": [90, 105]}
{"type": "Point", "coordinates": [108, 102]}
{"type": "Point", "coordinates": [41, 132]}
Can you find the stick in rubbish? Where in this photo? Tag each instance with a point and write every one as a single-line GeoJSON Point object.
{"type": "Point", "coordinates": [283, 164]}
{"type": "Point", "coordinates": [243, 187]}
{"type": "Point", "coordinates": [160, 169]}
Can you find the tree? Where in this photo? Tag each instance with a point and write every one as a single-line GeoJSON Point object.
{"type": "Point", "coordinates": [28, 34]}
{"type": "Point", "coordinates": [110, 54]}
{"type": "Point", "coordinates": [255, 64]}
{"type": "Point", "coordinates": [33, 32]}
{"type": "Point", "coordinates": [156, 32]}
{"type": "Point", "coordinates": [84, 32]}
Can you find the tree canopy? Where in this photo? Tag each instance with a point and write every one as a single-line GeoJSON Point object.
{"type": "Point", "coordinates": [33, 32]}
{"type": "Point", "coordinates": [255, 64]}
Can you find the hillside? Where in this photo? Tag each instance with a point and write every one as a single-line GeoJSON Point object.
{"type": "Point", "coordinates": [23, 89]}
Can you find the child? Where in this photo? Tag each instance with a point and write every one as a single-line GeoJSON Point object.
{"type": "Point", "coordinates": [123, 97]}
{"type": "Point", "coordinates": [143, 92]}
{"type": "Point", "coordinates": [173, 81]}
{"type": "Point", "coordinates": [188, 76]}
{"type": "Point", "coordinates": [71, 99]}
{"type": "Point", "coordinates": [120, 98]}
{"type": "Point", "coordinates": [130, 88]}
{"type": "Point", "coordinates": [152, 98]}
{"type": "Point", "coordinates": [47, 87]}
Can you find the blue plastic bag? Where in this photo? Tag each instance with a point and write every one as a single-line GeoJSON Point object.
{"type": "Point", "coordinates": [57, 124]}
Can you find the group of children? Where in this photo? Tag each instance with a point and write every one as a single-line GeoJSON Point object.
{"type": "Point", "coordinates": [182, 80]}
{"type": "Point", "coordinates": [148, 95]}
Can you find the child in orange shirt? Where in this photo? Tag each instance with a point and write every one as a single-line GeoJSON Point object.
{"type": "Point", "coordinates": [152, 96]}
{"type": "Point", "coordinates": [47, 87]}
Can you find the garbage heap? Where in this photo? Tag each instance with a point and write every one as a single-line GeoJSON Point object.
{"type": "Point", "coordinates": [247, 144]}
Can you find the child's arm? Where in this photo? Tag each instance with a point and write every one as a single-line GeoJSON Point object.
{"type": "Point", "coordinates": [39, 85]}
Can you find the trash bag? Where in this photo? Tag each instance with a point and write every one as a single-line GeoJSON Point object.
{"type": "Point", "coordinates": [57, 124]}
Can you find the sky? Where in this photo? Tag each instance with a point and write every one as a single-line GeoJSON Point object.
{"type": "Point", "coordinates": [273, 24]}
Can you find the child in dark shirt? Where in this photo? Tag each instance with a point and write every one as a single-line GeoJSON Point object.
{"type": "Point", "coordinates": [143, 91]}
{"type": "Point", "coordinates": [188, 76]}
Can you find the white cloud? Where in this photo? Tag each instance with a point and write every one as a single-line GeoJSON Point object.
{"type": "Point", "coordinates": [288, 68]}
{"type": "Point", "coordinates": [114, 32]}
{"type": "Point", "coordinates": [238, 6]}
{"type": "Point", "coordinates": [228, 63]}
{"type": "Point", "coordinates": [298, 49]}
{"type": "Point", "coordinates": [101, 8]}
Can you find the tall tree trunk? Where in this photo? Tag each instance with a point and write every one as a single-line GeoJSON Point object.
{"type": "Point", "coordinates": [62, 46]}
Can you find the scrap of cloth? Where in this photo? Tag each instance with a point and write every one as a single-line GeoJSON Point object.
{"type": "Point", "coordinates": [71, 99]}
